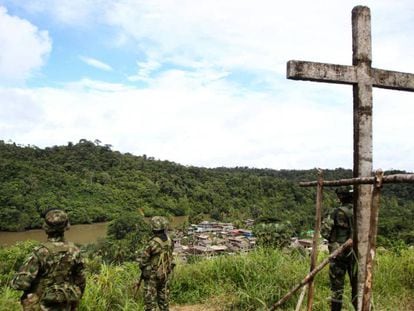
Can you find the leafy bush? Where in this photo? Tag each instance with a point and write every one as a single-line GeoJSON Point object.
{"type": "Point", "coordinates": [12, 258]}
{"type": "Point", "coordinates": [127, 223]}
{"type": "Point", "coordinates": [273, 234]}
{"type": "Point", "coordinates": [125, 238]}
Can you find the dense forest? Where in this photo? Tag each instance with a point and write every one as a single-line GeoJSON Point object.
{"type": "Point", "coordinates": [93, 183]}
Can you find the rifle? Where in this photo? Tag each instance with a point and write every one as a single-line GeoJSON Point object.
{"type": "Point", "coordinates": [137, 285]}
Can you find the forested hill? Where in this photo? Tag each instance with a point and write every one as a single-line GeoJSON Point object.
{"type": "Point", "coordinates": [94, 183]}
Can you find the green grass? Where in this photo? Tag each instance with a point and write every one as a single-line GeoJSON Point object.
{"type": "Point", "coordinates": [250, 281]}
{"type": "Point", "coordinates": [112, 289]}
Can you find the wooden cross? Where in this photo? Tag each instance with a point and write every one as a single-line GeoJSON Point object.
{"type": "Point", "coordinates": [362, 77]}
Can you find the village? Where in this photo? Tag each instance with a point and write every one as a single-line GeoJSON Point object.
{"type": "Point", "coordinates": [209, 238]}
{"type": "Point", "coordinates": [213, 238]}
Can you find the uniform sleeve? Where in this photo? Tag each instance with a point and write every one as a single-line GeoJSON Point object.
{"type": "Point", "coordinates": [152, 249]}
{"type": "Point", "coordinates": [145, 258]}
{"type": "Point", "coordinates": [79, 277]}
{"type": "Point", "coordinates": [28, 272]}
{"type": "Point", "coordinates": [326, 226]}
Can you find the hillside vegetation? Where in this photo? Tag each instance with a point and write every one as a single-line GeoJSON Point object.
{"type": "Point", "coordinates": [93, 183]}
{"type": "Point", "coordinates": [252, 281]}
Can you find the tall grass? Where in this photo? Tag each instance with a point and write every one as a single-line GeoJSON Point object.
{"type": "Point", "coordinates": [112, 289]}
{"type": "Point", "coordinates": [9, 299]}
{"type": "Point", "coordinates": [11, 258]}
{"type": "Point", "coordinates": [246, 282]}
{"type": "Point", "coordinates": [250, 281]}
{"type": "Point", "coordinates": [394, 281]}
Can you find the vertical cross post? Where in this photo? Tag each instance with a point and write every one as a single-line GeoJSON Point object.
{"type": "Point", "coordinates": [362, 77]}
{"type": "Point", "coordinates": [361, 60]}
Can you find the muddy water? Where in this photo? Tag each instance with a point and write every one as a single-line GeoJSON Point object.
{"type": "Point", "coordinates": [81, 234]}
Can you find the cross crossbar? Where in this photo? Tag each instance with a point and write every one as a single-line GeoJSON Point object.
{"type": "Point", "coordinates": [320, 72]}
{"type": "Point", "coordinates": [393, 80]}
{"type": "Point", "coordinates": [341, 74]}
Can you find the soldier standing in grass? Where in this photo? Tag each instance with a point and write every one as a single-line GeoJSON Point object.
{"type": "Point", "coordinates": [52, 278]}
{"type": "Point", "coordinates": [337, 229]}
{"type": "Point", "coordinates": [156, 264]}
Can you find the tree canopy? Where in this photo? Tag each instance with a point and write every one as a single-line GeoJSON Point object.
{"type": "Point", "coordinates": [93, 183]}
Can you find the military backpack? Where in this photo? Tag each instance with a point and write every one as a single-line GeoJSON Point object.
{"type": "Point", "coordinates": [57, 286]}
{"type": "Point", "coordinates": [161, 263]}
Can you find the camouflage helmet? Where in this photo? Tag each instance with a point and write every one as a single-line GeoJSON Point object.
{"type": "Point", "coordinates": [345, 193]}
{"type": "Point", "coordinates": [159, 223]}
{"type": "Point", "coordinates": [56, 220]}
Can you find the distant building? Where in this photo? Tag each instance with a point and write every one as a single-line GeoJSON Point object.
{"type": "Point", "coordinates": [249, 222]}
{"type": "Point", "coordinates": [206, 226]}
{"type": "Point", "coordinates": [241, 243]}
{"type": "Point", "coordinates": [207, 250]}
{"type": "Point", "coordinates": [212, 238]}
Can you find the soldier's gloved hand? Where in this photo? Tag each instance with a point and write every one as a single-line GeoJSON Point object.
{"type": "Point", "coordinates": [333, 246]}
{"type": "Point", "coordinates": [146, 273]}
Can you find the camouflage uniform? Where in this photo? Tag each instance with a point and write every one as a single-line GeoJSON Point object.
{"type": "Point", "coordinates": [337, 229]}
{"type": "Point", "coordinates": [52, 278]}
{"type": "Point", "coordinates": [156, 263]}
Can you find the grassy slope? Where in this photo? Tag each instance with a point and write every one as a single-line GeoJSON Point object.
{"type": "Point", "coordinates": [242, 282]}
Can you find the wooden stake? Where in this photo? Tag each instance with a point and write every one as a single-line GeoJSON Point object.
{"type": "Point", "coordinates": [301, 297]}
{"type": "Point", "coordinates": [314, 255]}
{"type": "Point", "coordinates": [366, 299]}
{"type": "Point", "coordinates": [389, 179]}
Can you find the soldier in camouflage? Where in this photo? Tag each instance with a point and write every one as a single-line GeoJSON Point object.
{"type": "Point", "coordinates": [337, 229]}
{"type": "Point", "coordinates": [156, 264]}
{"type": "Point", "coordinates": [52, 278]}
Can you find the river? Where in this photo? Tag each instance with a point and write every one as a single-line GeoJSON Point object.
{"type": "Point", "coordinates": [80, 234]}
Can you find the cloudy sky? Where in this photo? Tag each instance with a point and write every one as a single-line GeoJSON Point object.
{"type": "Point", "coordinates": [200, 82]}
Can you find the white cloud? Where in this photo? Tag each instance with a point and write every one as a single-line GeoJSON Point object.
{"type": "Point", "coordinates": [20, 111]}
{"type": "Point", "coordinates": [144, 70]}
{"type": "Point", "coordinates": [212, 124]}
{"type": "Point", "coordinates": [233, 34]}
{"type": "Point", "coordinates": [67, 12]}
{"type": "Point", "coordinates": [193, 110]}
{"type": "Point", "coordinates": [23, 48]}
{"type": "Point", "coordinates": [88, 85]}
{"type": "Point", "coordinates": [213, 29]}
{"type": "Point", "coordinates": [95, 63]}
{"type": "Point", "coordinates": [254, 36]}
